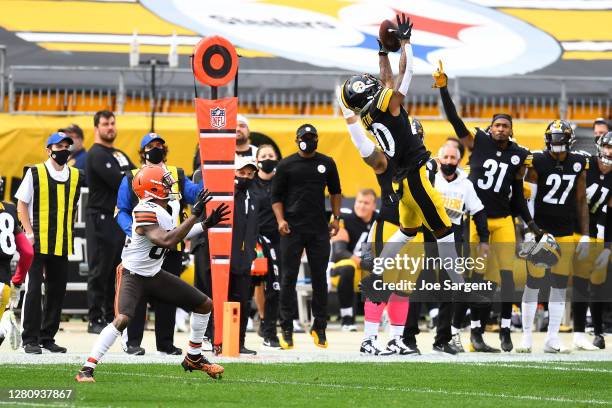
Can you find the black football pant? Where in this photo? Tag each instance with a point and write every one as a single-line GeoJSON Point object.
{"type": "Point", "coordinates": [105, 241]}
{"type": "Point", "coordinates": [317, 251]}
{"type": "Point", "coordinates": [271, 249]}
{"type": "Point", "coordinates": [165, 314]}
{"type": "Point", "coordinates": [40, 326]}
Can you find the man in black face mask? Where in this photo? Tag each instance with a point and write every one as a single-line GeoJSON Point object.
{"type": "Point", "coordinates": [153, 151]}
{"type": "Point", "coordinates": [47, 200]}
{"type": "Point", "coordinates": [298, 201]}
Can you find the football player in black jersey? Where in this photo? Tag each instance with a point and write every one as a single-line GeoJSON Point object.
{"type": "Point", "coordinates": [560, 178]}
{"type": "Point", "coordinates": [593, 269]}
{"type": "Point", "coordinates": [345, 273]}
{"type": "Point", "coordinates": [497, 166]}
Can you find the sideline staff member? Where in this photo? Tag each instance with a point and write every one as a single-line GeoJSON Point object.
{"type": "Point", "coordinates": [298, 202]}
{"type": "Point", "coordinates": [47, 202]}
{"type": "Point", "coordinates": [106, 167]}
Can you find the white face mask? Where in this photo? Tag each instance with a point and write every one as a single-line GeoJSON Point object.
{"type": "Point", "coordinates": [557, 148]}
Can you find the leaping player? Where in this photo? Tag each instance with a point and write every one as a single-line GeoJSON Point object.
{"type": "Point", "coordinates": [140, 275]}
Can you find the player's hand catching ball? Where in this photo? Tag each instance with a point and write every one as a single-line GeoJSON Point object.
{"type": "Point", "coordinates": [404, 28]}
{"type": "Point", "coordinates": [200, 205]}
{"type": "Point", "coordinates": [217, 215]}
{"type": "Point", "coordinates": [440, 78]}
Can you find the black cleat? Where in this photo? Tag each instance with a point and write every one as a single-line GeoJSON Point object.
{"type": "Point", "coordinates": [95, 326]}
{"type": "Point", "coordinates": [53, 348]}
{"type": "Point", "coordinates": [85, 375]}
{"type": "Point", "coordinates": [505, 339]}
{"type": "Point", "coordinates": [272, 342]}
{"type": "Point", "coordinates": [477, 343]}
{"type": "Point", "coordinates": [599, 342]}
{"type": "Point", "coordinates": [319, 337]}
{"type": "Point", "coordinates": [244, 350]}
{"type": "Point", "coordinates": [171, 351]}
{"type": "Point", "coordinates": [446, 348]}
{"type": "Point", "coordinates": [134, 350]}
{"type": "Point", "coordinates": [286, 340]}
{"type": "Point", "coordinates": [410, 342]}
{"type": "Point", "coordinates": [348, 324]}
{"type": "Point", "coordinates": [32, 349]}
{"type": "Point", "coordinates": [201, 363]}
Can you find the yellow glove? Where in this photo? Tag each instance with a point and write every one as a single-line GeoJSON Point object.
{"type": "Point", "coordinates": [440, 78]}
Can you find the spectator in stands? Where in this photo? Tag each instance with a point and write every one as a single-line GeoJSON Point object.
{"type": "Point", "coordinates": [346, 253]}
{"type": "Point", "coordinates": [78, 158]}
{"type": "Point", "coordinates": [47, 200]}
{"type": "Point", "coordinates": [601, 126]}
{"type": "Point", "coordinates": [154, 152]}
{"type": "Point", "coordinates": [105, 169]}
{"type": "Point", "coordinates": [298, 202]}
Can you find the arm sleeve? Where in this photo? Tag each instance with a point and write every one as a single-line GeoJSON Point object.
{"type": "Point", "coordinates": [480, 219]}
{"type": "Point", "coordinates": [124, 205]}
{"type": "Point", "coordinates": [451, 114]}
{"type": "Point", "coordinates": [279, 184]}
{"type": "Point", "coordinates": [518, 202]}
{"type": "Point", "coordinates": [196, 230]}
{"type": "Point", "coordinates": [191, 190]}
{"type": "Point", "coordinates": [26, 254]}
{"type": "Point", "coordinates": [333, 179]}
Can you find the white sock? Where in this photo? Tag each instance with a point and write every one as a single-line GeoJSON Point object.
{"type": "Point", "coordinates": [199, 322]}
{"type": "Point", "coordinates": [505, 323]}
{"type": "Point", "coordinates": [370, 329]}
{"type": "Point", "coordinates": [105, 340]}
{"type": "Point", "coordinates": [397, 331]}
{"type": "Point", "coordinates": [529, 307]}
{"type": "Point", "coordinates": [556, 307]}
{"type": "Point", "coordinates": [433, 313]}
{"type": "Point", "coordinates": [454, 330]}
{"type": "Point", "coordinates": [346, 311]}
{"type": "Point", "coordinates": [447, 250]}
{"type": "Point", "coordinates": [474, 324]}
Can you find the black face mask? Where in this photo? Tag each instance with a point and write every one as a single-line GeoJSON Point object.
{"type": "Point", "coordinates": [242, 183]}
{"type": "Point", "coordinates": [448, 169]}
{"type": "Point", "coordinates": [60, 156]}
{"type": "Point", "coordinates": [308, 146]}
{"type": "Point", "coordinates": [268, 165]}
{"type": "Point", "coordinates": [155, 155]}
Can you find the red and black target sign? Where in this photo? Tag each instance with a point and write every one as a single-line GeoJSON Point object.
{"type": "Point", "coordinates": [215, 61]}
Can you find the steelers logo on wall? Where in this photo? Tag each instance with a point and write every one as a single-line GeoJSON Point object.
{"type": "Point", "coordinates": [215, 61]}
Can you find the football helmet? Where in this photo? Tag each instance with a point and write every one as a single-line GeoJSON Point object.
{"type": "Point", "coordinates": [603, 141]}
{"type": "Point", "coordinates": [153, 182]}
{"type": "Point", "coordinates": [559, 136]}
{"type": "Point", "coordinates": [416, 127]}
{"type": "Point", "coordinates": [544, 252]}
{"type": "Point", "coordinates": [359, 91]}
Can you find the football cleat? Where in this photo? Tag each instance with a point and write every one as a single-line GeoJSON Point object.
{"type": "Point", "coordinates": [599, 342]}
{"type": "Point", "coordinates": [319, 337]}
{"type": "Point", "coordinates": [411, 343]}
{"type": "Point", "coordinates": [445, 348]}
{"type": "Point", "coordinates": [286, 340]}
{"type": "Point", "coordinates": [505, 339]}
{"type": "Point", "coordinates": [397, 346]}
{"type": "Point", "coordinates": [202, 364]}
{"type": "Point", "coordinates": [555, 347]}
{"type": "Point", "coordinates": [348, 324]}
{"type": "Point", "coordinates": [370, 347]}
{"type": "Point", "coordinates": [85, 375]}
{"type": "Point", "coordinates": [477, 343]}
{"type": "Point", "coordinates": [583, 344]}
{"type": "Point", "coordinates": [456, 343]}
{"type": "Point", "coordinates": [272, 342]}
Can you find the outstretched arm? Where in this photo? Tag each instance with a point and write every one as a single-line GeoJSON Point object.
{"type": "Point", "coordinates": [404, 31]}
{"type": "Point", "coordinates": [386, 73]}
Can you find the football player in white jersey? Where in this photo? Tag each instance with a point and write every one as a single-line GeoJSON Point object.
{"type": "Point", "coordinates": [139, 275]}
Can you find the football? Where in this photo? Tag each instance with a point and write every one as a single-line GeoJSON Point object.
{"type": "Point", "coordinates": [387, 36]}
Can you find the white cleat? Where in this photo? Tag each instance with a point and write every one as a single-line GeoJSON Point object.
{"type": "Point", "coordinates": [11, 328]}
{"type": "Point", "coordinates": [583, 344]}
{"type": "Point", "coordinates": [555, 347]}
{"type": "Point", "coordinates": [397, 346]}
{"type": "Point", "coordinates": [370, 347]}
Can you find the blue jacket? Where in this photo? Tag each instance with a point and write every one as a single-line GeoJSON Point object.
{"type": "Point", "coordinates": [126, 203]}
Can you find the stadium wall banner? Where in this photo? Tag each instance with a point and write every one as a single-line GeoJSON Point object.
{"type": "Point", "coordinates": [22, 139]}
{"type": "Point", "coordinates": [342, 34]}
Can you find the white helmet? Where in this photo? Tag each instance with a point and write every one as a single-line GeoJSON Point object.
{"type": "Point", "coordinates": [543, 253]}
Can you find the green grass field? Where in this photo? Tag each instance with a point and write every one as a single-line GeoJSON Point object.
{"type": "Point", "coordinates": [327, 384]}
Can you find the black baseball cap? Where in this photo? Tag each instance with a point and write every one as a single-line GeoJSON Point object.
{"type": "Point", "coordinates": [306, 129]}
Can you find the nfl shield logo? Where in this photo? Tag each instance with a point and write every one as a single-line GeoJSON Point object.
{"type": "Point", "coordinates": [217, 118]}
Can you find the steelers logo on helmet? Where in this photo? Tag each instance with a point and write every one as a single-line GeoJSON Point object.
{"type": "Point", "coordinates": [604, 149]}
{"type": "Point", "coordinates": [359, 90]}
{"type": "Point", "coordinates": [559, 136]}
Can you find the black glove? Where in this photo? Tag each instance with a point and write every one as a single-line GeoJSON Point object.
{"type": "Point", "coordinates": [404, 27]}
{"type": "Point", "coordinates": [381, 48]}
{"type": "Point", "coordinates": [533, 227]}
{"type": "Point", "coordinates": [216, 216]}
{"type": "Point", "coordinates": [200, 205]}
